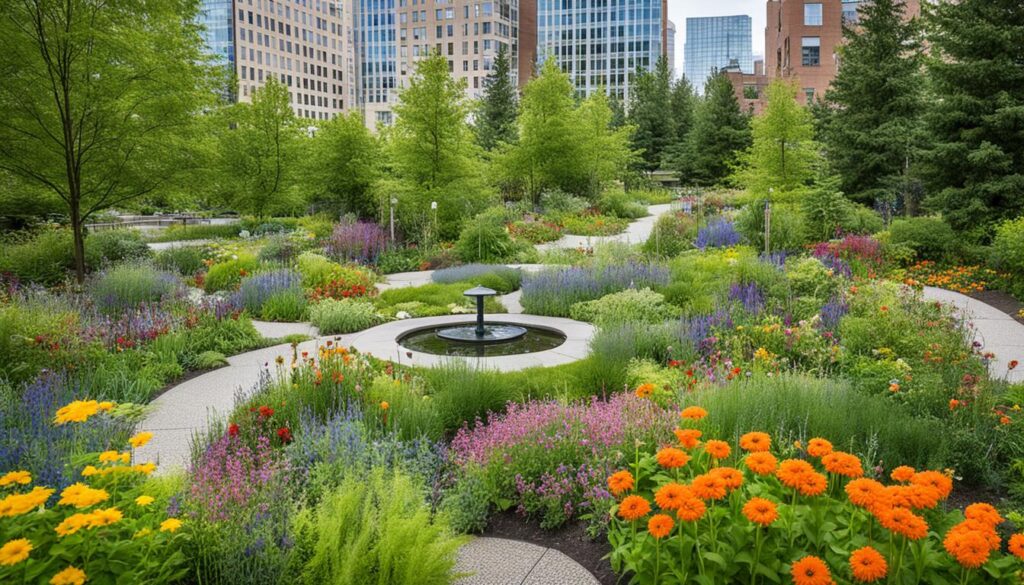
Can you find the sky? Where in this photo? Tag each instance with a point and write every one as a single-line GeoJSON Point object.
{"type": "Point", "coordinates": [680, 10]}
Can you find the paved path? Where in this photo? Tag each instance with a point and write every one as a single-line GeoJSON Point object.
{"type": "Point", "coordinates": [157, 246]}
{"type": "Point", "coordinates": [997, 332]}
{"type": "Point", "coordinates": [497, 561]}
{"type": "Point", "coordinates": [636, 232]}
{"type": "Point", "coordinates": [273, 330]}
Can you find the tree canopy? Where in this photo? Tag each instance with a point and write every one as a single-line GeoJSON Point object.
{"type": "Point", "coordinates": [650, 112]}
{"type": "Point", "coordinates": [495, 121]}
{"type": "Point", "coordinates": [720, 132]}
{"type": "Point", "coordinates": [343, 164]}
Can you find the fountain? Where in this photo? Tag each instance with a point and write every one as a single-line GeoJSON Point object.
{"type": "Point", "coordinates": [482, 332]}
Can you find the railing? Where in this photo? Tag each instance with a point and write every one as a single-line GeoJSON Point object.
{"type": "Point", "coordinates": [165, 221]}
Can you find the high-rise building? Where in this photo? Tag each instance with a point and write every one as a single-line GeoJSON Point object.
{"type": "Point", "coordinates": [306, 44]}
{"type": "Point", "coordinates": [716, 43]}
{"type": "Point", "coordinates": [670, 46]}
{"type": "Point", "coordinates": [601, 43]}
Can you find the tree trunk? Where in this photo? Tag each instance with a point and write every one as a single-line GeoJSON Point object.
{"type": "Point", "coordinates": [77, 232]}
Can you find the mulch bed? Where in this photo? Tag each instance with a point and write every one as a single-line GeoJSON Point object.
{"type": "Point", "coordinates": [571, 540]}
{"type": "Point", "coordinates": [1002, 301]}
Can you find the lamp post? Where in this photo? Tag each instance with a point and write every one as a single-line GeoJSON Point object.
{"type": "Point", "coordinates": [433, 208]}
{"type": "Point", "coordinates": [391, 210]}
{"type": "Point", "coordinates": [768, 220]}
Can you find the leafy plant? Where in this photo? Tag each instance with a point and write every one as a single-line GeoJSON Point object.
{"type": "Point", "coordinates": [126, 286]}
{"type": "Point", "coordinates": [628, 306]}
{"type": "Point", "coordinates": [332, 316]}
{"type": "Point", "coordinates": [500, 278]}
{"type": "Point", "coordinates": [228, 274]}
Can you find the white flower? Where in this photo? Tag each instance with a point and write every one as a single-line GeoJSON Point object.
{"type": "Point", "coordinates": [402, 315]}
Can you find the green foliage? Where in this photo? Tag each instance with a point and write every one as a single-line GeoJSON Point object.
{"type": "Point", "coordinates": [931, 238]}
{"type": "Point", "coordinates": [673, 233]}
{"type": "Point", "coordinates": [343, 163]}
{"type": "Point", "coordinates": [185, 260]}
{"type": "Point", "coordinates": [319, 271]}
{"type": "Point", "coordinates": [628, 306]}
{"type": "Point", "coordinates": [788, 230]}
{"type": "Point", "coordinates": [462, 392]}
{"type": "Point", "coordinates": [1008, 252]}
{"type": "Point", "coordinates": [44, 258]}
{"type": "Point", "coordinates": [432, 300]}
{"type": "Point", "coordinates": [332, 316]}
{"type": "Point", "coordinates": [501, 278]}
{"type": "Point", "coordinates": [125, 286]}
{"type": "Point", "coordinates": [976, 168]}
{"type": "Point", "coordinates": [593, 225]}
{"type": "Point", "coordinates": [107, 247]}
{"type": "Point", "coordinates": [618, 203]}
{"type": "Point", "coordinates": [651, 114]}
{"type": "Point", "coordinates": [208, 360]}
{"type": "Point", "coordinates": [720, 132]}
{"type": "Point", "coordinates": [180, 233]}
{"type": "Point", "coordinates": [495, 121]}
{"type": "Point", "coordinates": [228, 336]}
{"type": "Point", "coordinates": [468, 503]}
{"type": "Point", "coordinates": [227, 274]}
{"type": "Point", "coordinates": [287, 305]}
{"type": "Point", "coordinates": [485, 239]}
{"type": "Point", "coordinates": [378, 530]}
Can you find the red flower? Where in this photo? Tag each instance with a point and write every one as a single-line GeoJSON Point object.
{"type": "Point", "coordinates": [233, 430]}
{"type": "Point", "coordinates": [1014, 364]}
{"type": "Point", "coordinates": [284, 434]}
{"type": "Point", "coordinates": [266, 411]}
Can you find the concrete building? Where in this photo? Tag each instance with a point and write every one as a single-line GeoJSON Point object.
{"type": "Point", "coordinates": [670, 46]}
{"type": "Point", "coordinates": [306, 44]}
{"type": "Point", "coordinates": [716, 43]}
{"type": "Point", "coordinates": [601, 43]}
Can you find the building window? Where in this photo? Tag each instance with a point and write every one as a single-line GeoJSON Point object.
{"type": "Point", "coordinates": [812, 14]}
{"type": "Point", "coordinates": [850, 15]}
{"type": "Point", "coordinates": [811, 51]}
{"type": "Point", "coordinates": [809, 94]}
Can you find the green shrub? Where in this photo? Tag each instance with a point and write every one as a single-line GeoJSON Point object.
{"type": "Point", "coordinates": [125, 286]}
{"type": "Point", "coordinates": [788, 231]}
{"type": "Point", "coordinates": [228, 274]}
{"type": "Point", "coordinates": [628, 306]}
{"type": "Point", "coordinates": [179, 233]}
{"type": "Point", "coordinates": [593, 225]}
{"type": "Point", "coordinates": [1008, 253]}
{"type": "Point", "coordinates": [557, 203]}
{"type": "Point", "coordinates": [375, 530]}
{"type": "Point", "coordinates": [461, 393]}
{"type": "Point", "coordinates": [345, 316]}
{"type": "Point", "coordinates": [111, 246]}
{"type": "Point", "coordinates": [320, 225]}
{"type": "Point", "coordinates": [42, 258]}
{"type": "Point", "coordinates": [931, 238]}
{"type": "Point", "coordinates": [652, 196]}
{"type": "Point", "coordinates": [280, 248]}
{"type": "Point", "coordinates": [500, 278]}
{"type": "Point", "coordinates": [185, 260]}
{"type": "Point", "coordinates": [400, 260]}
{"type": "Point", "coordinates": [484, 240]}
{"type": "Point", "coordinates": [286, 305]}
{"type": "Point", "coordinates": [619, 204]}
{"type": "Point", "coordinates": [673, 234]}
{"type": "Point", "coordinates": [225, 336]}
{"type": "Point", "coordinates": [439, 297]}
{"type": "Point", "coordinates": [467, 504]}
{"type": "Point", "coordinates": [318, 270]}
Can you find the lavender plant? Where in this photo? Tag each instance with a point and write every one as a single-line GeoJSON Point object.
{"type": "Point", "coordinates": [719, 233]}
{"type": "Point", "coordinates": [553, 292]}
{"type": "Point", "coordinates": [357, 241]}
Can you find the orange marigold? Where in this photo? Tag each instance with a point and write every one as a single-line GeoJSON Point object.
{"type": "Point", "coordinates": [935, 479]}
{"type": "Point", "coordinates": [864, 492]}
{"type": "Point", "coordinates": [970, 548]}
{"type": "Point", "coordinates": [791, 472]}
{"type": "Point", "coordinates": [818, 447]}
{"type": "Point", "coordinates": [904, 522]}
{"type": "Point", "coordinates": [988, 532]}
{"type": "Point", "coordinates": [620, 481]}
{"type": "Point", "coordinates": [672, 458]}
{"type": "Point", "coordinates": [688, 438]}
{"type": "Point", "coordinates": [732, 477]}
{"type": "Point", "coordinates": [645, 390]}
{"type": "Point", "coordinates": [984, 513]}
{"type": "Point", "coordinates": [755, 442]}
{"type": "Point", "coordinates": [761, 463]}
{"type": "Point", "coordinates": [1016, 546]}
{"type": "Point", "coordinates": [691, 510]}
{"type": "Point", "coordinates": [810, 570]}
{"type": "Point", "coordinates": [760, 511]}
{"type": "Point", "coordinates": [633, 508]}
{"type": "Point", "coordinates": [868, 565]}
{"type": "Point", "coordinates": [708, 487]}
{"type": "Point", "coordinates": [693, 413]}
{"type": "Point", "coordinates": [813, 484]}
{"type": "Point", "coordinates": [717, 449]}
{"type": "Point", "coordinates": [841, 463]}
{"type": "Point", "coordinates": [660, 525]}
{"type": "Point", "coordinates": [903, 473]}
{"type": "Point", "coordinates": [670, 495]}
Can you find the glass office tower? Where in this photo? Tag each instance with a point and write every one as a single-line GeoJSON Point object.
{"type": "Point", "coordinates": [715, 43]}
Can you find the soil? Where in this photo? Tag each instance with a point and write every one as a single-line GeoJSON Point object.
{"type": "Point", "coordinates": [571, 540]}
{"type": "Point", "coordinates": [1002, 301]}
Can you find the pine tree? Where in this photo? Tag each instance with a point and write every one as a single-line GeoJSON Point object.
{"type": "Point", "coordinates": [720, 132]}
{"type": "Point", "coordinates": [976, 166]}
{"type": "Point", "coordinates": [651, 114]}
{"type": "Point", "coordinates": [496, 115]}
{"type": "Point", "coordinates": [872, 115]}
{"type": "Point", "coordinates": [682, 105]}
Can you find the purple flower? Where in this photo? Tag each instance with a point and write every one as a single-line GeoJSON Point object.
{"type": "Point", "coordinates": [719, 233]}
{"type": "Point", "coordinates": [357, 241]}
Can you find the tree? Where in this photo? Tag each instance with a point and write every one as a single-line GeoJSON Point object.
{"type": "Point", "coordinates": [605, 151]}
{"type": "Point", "coordinates": [682, 104]}
{"type": "Point", "coordinates": [783, 154]}
{"type": "Point", "coordinates": [720, 131]}
{"type": "Point", "coordinates": [342, 166]}
{"type": "Point", "coordinates": [260, 150]}
{"type": "Point", "coordinates": [873, 108]}
{"type": "Point", "coordinates": [496, 114]}
{"type": "Point", "coordinates": [976, 165]}
{"type": "Point", "coordinates": [618, 112]}
{"type": "Point", "coordinates": [98, 99]}
{"type": "Point", "coordinates": [651, 113]}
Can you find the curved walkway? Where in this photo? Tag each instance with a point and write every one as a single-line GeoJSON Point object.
{"type": "Point", "coordinates": [996, 331]}
{"type": "Point", "coordinates": [497, 561]}
{"type": "Point", "coordinates": [636, 232]}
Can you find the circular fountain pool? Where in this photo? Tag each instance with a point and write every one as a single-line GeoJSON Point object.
{"type": "Point", "coordinates": [532, 340]}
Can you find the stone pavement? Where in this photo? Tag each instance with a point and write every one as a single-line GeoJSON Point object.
{"type": "Point", "coordinates": [636, 232]}
{"type": "Point", "coordinates": [997, 332]}
{"type": "Point", "coordinates": [497, 561]}
{"type": "Point", "coordinates": [273, 330]}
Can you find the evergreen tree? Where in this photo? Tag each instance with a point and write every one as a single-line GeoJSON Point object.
{"type": "Point", "coordinates": [618, 112]}
{"type": "Point", "coordinates": [720, 132]}
{"type": "Point", "coordinates": [650, 112]}
{"type": "Point", "coordinates": [496, 115]}
{"type": "Point", "coordinates": [343, 164]}
{"type": "Point", "coordinates": [682, 105]}
{"type": "Point", "coordinates": [873, 108]}
{"type": "Point", "coordinates": [976, 166]}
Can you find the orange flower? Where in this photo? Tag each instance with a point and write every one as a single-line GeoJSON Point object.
{"type": "Point", "coordinates": [918, 497]}
{"type": "Point", "coordinates": [619, 482]}
{"type": "Point", "coordinates": [936, 480]}
{"type": "Point", "coordinates": [841, 463]}
{"type": "Point", "coordinates": [810, 571]}
{"type": "Point", "coordinates": [691, 510]}
{"type": "Point", "coordinates": [970, 548]}
{"type": "Point", "coordinates": [868, 565]}
{"type": "Point", "coordinates": [761, 463]}
{"type": "Point", "coordinates": [660, 525]}
{"type": "Point", "coordinates": [983, 513]}
{"type": "Point", "coordinates": [791, 472]}
{"type": "Point", "coordinates": [760, 511]}
{"type": "Point", "coordinates": [688, 438]}
{"type": "Point", "coordinates": [902, 474]}
{"type": "Point", "coordinates": [708, 487]}
{"type": "Point", "coordinates": [645, 390]}
{"type": "Point", "coordinates": [818, 447]}
{"type": "Point", "coordinates": [985, 530]}
{"type": "Point", "coordinates": [633, 508]}
{"type": "Point", "coordinates": [717, 449]}
{"type": "Point", "coordinates": [904, 522]}
{"type": "Point", "coordinates": [693, 413]}
{"type": "Point", "coordinates": [813, 484]}
{"type": "Point", "coordinates": [864, 492]}
{"type": "Point", "coordinates": [670, 495]}
{"type": "Point", "coordinates": [1016, 546]}
{"type": "Point", "coordinates": [755, 442]}
{"type": "Point", "coordinates": [732, 477]}
{"type": "Point", "coordinates": [671, 458]}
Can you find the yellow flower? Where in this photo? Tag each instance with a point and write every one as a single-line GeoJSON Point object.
{"type": "Point", "coordinates": [69, 576]}
{"type": "Point", "coordinates": [763, 355]}
{"type": "Point", "coordinates": [105, 517]}
{"type": "Point", "coordinates": [145, 468]}
{"type": "Point", "coordinates": [143, 500]}
{"type": "Point", "coordinates": [109, 456]}
{"type": "Point", "coordinates": [77, 411]}
{"type": "Point", "coordinates": [170, 525]}
{"type": "Point", "coordinates": [142, 533]}
{"type": "Point", "coordinates": [106, 406]}
{"type": "Point", "coordinates": [18, 504]}
{"type": "Point", "coordinates": [140, 439]}
{"type": "Point", "coordinates": [73, 524]}
{"type": "Point", "coordinates": [80, 495]}
{"type": "Point", "coordinates": [125, 457]}
{"type": "Point", "coordinates": [90, 470]}
{"type": "Point", "coordinates": [22, 477]}
{"type": "Point", "coordinates": [15, 551]}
